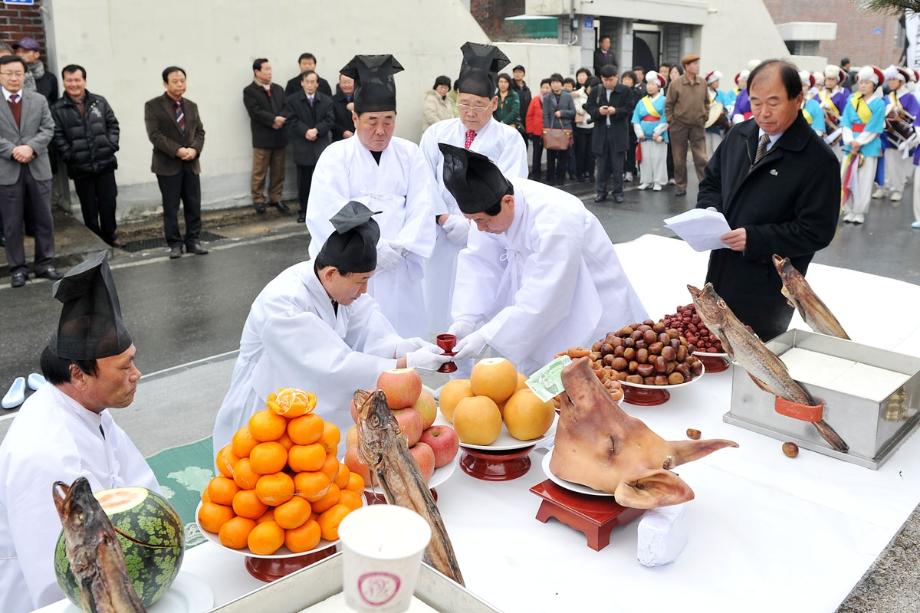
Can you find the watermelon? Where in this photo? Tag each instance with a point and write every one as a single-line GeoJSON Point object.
{"type": "Point", "coordinates": [150, 534]}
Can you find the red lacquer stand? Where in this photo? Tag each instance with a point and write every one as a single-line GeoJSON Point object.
{"type": "Point", "coordinates": [375, 498]}
{"type": "Point", "coordinates": [495, 465]}
{"type": "Point", "coordinates": [645, 397]}
{"type": "Point", "coordinates": [713, 363]}
{"type": "Point", "coordinates": [593, 516]}
{"type": "Point", "coordinates": [271, 569]}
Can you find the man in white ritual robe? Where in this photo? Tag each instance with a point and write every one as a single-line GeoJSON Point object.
{"type": "Point", "coordinates": [539, 274]}
{"type": "Point", "coordinates": [313, 327]}
{"type": "Point", "coordinates": [478, 131]}
{"type": "Point", "coordinates": [64, 431]}
{"type": "Point", "coordinates": [389, 175]}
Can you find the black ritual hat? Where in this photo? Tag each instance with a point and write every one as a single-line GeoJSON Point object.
{"type": "Point", "coordinates": [375, 89]}
{"type": "Point", "coordinates": [472, 179]}
{"type": "Point", "coordinates": [353, 245]}
{"type": "Point", "coordinates": [479, 69]}
{"type": "Point", "coordinates": [90, 326]}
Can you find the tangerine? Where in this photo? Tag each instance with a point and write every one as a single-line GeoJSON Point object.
{"type": "Point", "coordinates": [331, 437]}
{"type": "Point", "coordinates": [243, 474]}
{"type": "Point", "coordinates": [267, 426]}
{"type": "Point", "coordinates": [235, 532]}
{"type": "Point", "coordinates": [305, 458]}
{"type": "Point", "coordinates": [275, 489]}
{"type": "Point", "coordinates": [342, 477]}
{"type": "Point", "coordinates": [243, 442]}
{"type": "Point", "coordinates": [330, 499]}
{"type": "Point", "coordinates": [330, 467]}
{"type": "Point", "coordinates": [269, 515]}
{"type": "Point", "coordinates": [225, 461]}
{"type": "Point", "coordinates": [205, 497]}
{"type": "Point", "coordinates": [293, 513]}
{"type": "Point", "coordinates": [212, 516]}
{"type": "Point", "coordinates": [304, 538]}
{"type": "Point", "coordinates": [246, 503]}
{"type": "Point", "coordinates": [266, 538]}
{"type": "Point", "coordinates": [351, 499]}
{"type": "Point", "coordinates": [286, 441]}
{"type": "Point", "coordinates": [268, 458]}
{"type": "Point", "coordinates": [311, 486]}
{"type": "Point", "coordinates": [221, 490]}
{"type": "Point", "coordinates": [330, 519]}
{"type": "Point", "coordinates": [291, 402]}
{"type": "Point", "coordinates": [305, 430]}
{"type": "Point", "coordinates": [355, 482]}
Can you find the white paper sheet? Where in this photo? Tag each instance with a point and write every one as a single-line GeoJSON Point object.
{"type": "Point", "coordinates": [701, 228]}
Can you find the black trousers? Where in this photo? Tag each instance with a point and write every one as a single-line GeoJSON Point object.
{"type": "Point", "coordinates": [97, 194]}
{"type": "Point", "coordinates": [185, 186]}
{"type": "Point", "coordinates": [584, 159]}
{"type": "Point", "coordinates": [27, 194]}
{"type": "Point", "coordinates": [536, 166]}
{"type": "Point", "coordinates": [304, 182]}
{"type": "Point", "coordinates": [556, 163]}
{"type": "Point", "coordinates": [610, 162]}
{"type": "Point", "coordinates": [631, 153]}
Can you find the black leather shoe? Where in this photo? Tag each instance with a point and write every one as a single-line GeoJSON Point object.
{"type": "Point", "coordinates": [282, 208]}
{"type": "Point", "coordinates": [301, 218]}
{"type": "Point", "coordinates": [600, 198]}
{"type": "Point", "coordinates": [260, 208]}
{"type": "Point", "coordinates": [175, 252]}
{"type": "Point", "coordinates": [50, 273]}
{"type": "Point", "coordinates": [17, 279]}
{"type": "Point", "coordinates": [196, 248]}
{"type": "Point", "coordinates": [618, 198]}
{"type": "Point", "coordinates": [680, 192]}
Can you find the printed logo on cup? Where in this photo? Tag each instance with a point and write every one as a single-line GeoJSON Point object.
{"type": "Point", "coordinates": [378, 588]}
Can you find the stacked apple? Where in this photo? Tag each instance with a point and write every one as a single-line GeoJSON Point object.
{"type": "Point", "coordinates": [495, 394]}
{"type": "Point", "coordinates": [415, 410]}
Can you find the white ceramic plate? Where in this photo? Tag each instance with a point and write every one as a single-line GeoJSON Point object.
{"type": "Point", "coordinates": [439, 476]}
{"type": "Point", "coordinates": [666, 387]}
{"type": "Point", "coordinates": [506, 442]}
{"type": "Point", "coordinates": [572, 487]}
{"type": "Point", "coordinates": [284, 552]}
{"type": "Point", "coordinates": [188, 594]}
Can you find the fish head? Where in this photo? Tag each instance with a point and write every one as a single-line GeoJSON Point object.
{"type": "Point", "coordinates": [376, 424]}
{"type": "Point", "coordinates": [781, 264]}
{"type": "Point", "coordinates": [77, 506]}
{"type": "Point", "coordinates": [709, 305]}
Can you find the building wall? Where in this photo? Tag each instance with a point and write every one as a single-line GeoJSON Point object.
{"type": "Point", "coordinates": [736, 31]}
{"type": "Point", "coordinates": [124, 46]}
{"type": "Point", "coordinates": [864, 37]}
{"type": "Point", "coordinates": [17, 22]}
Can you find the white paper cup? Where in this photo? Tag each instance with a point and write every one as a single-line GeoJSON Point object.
{"type": "Point", "coordinates": [383, 546]}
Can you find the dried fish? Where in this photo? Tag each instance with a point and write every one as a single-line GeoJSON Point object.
{"type": "Point", "coordinates": [800, 295]}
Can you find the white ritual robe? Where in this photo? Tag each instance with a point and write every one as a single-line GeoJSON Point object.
{"type": "Point", "coordinates": [53, 438]}
{"type": "Point", "coordinates": [504, 146]}
{"type": "Point", "coordinates": [402, 188]}
{"type": "Point", "coordinates": [294, 338]}
{"type": "Point", "coordinates": [550, 282]}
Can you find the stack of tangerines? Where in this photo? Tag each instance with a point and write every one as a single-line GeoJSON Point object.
{"type": "Point", "coordinates": [280, 480]}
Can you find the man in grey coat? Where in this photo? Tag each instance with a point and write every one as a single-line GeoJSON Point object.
{"type": "Point", "coordinates": [558, 112]}
{"type": "Point", "coordinates": [26, 129]}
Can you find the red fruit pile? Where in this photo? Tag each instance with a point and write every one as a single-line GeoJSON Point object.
{"type": "Point", "coordinates": [688, 323]}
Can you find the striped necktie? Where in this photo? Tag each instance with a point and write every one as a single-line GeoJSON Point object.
{"type": "Point", "coordinates": [762, 147]}
{"type": "Point", "coordinates": [180, 115]}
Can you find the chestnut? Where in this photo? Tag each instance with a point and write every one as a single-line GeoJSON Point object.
{"type": "Point", "coordinates": [646, 370]}
{"type": "Point", "coordinates": [661, 365]}
{"type": "Point", "coordinates": [675, 378]}
{"type": "Point", "coordinates": [668, 353]}
{"type": "Point", "coordinates": [609, 359]}
{"type": "Point", "coordinates": [661, 380]}
{"type": "Point", "coordinates": [664, 338]}
{"type": "Point", "coordinates": [629, 342]}
{"type": "Point", "coordinates": [693, 434]}
{"type": "Point", "coordinates": [606, 348]}
{"type": "Point", "coordinates": [681, 353]}
{"type": "Point", "coordinates": [633, 379]}
{"type": "Point", "coordinates": [673, 333]}
{"type": "Point", "coordinates": [641, 344]}
{"type": "Point", "coordinates": [650, 337]}
{"type": "Point", "coordinates": [618, 351]}
{"type": "Point", "coordinates": [649, 381]}
{"type": "Point", "coordinates": [655, 348]}
{"type": "Point", "coordinates": [642, 355]}
{"type": "Point", "coordinates": [620, 364]}
{"type": "Point", "coordinates": [643, 328]}
{"type": "Point", "coordinates": [633, 367]}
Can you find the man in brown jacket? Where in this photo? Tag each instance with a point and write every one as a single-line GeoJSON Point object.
{"type": "Point", "coordinates": [687, 108]}
{"type": "Point", "coordinates": [175, 129]}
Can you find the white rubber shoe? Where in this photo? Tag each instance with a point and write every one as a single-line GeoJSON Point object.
{"type": "Point", "coordinates": [16, 395]}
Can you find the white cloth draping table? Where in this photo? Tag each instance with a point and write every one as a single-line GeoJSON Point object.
{"type": "Point", "coordinates": [767, 533]}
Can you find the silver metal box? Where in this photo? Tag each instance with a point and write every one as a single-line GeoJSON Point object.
{"type": "Point", "coordinates": [873, 429]}
{"type": "Point", "coordinates": [316, 583]}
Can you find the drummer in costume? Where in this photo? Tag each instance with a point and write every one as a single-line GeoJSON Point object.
{"type": "Point", "coordinates": [833, 99]}
{"type": "Point", "coordinates": [539, 271]}
{"type": "Point", "coordinates": [651, 128]}
{"type": "Point", "coordinates": [315, 327]}
{"type": "Point", "coordinates": [811, 108]}
{"type": "Point", "coordinates": [741, 108]}
{"type": "Point", "coordinates": [863, 122]}
{"type": "Point", "coordinates": [720, 104]}
{"type": "Point", "coordinates": [65, 431]}
{"type": "Point", "coordinates": [390, 175]}
{"type": "Point", "coordinates": [478, 131]}
{"type": "Point", "coordinates": [899, 138]}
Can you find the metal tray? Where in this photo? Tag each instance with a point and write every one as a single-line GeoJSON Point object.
{"type": "Point", "coordinates": [872, 429]}
{"type": "Point", "coordinates": [316, 583]}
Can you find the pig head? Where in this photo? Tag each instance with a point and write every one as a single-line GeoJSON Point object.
{"type": "Point", "coordinates": [599, 445]}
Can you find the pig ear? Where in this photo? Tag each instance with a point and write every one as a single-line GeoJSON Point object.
{"type": "Point", "coordinates": [657, 488]}
{"type": "Point", "coordinates": [687, 451]}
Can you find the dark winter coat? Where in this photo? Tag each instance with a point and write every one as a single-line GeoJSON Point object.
{"type": "Point", "coordinates": [344, 120]}
{"type": "Point", "coordinates": [788, 204]}
{"type": "Point", "coordinates": [293, 86]}
{"type": "Point", "coordinates": [524, 98]}
{"type": "Point", "coordinates": [301, 117]}
{"type": "Point", "coordinates": [566, 107]}
{"type": "Point", "coordinates": [262, 110]}
{"type": "Point", "coordinates": [621, 98]}
{"type": "Point", "coordinates": [86, 143]}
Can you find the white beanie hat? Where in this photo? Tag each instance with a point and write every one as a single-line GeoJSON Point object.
{"type": "Point", "coordinates": [712, 76]}
{"type": "Point", "coordinates": [870, 73]}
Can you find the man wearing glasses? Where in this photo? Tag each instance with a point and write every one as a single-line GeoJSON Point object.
{"type": "Point", "coordinates": [475, 130]}
{"type": "Point", "coordinates": [26, 129]}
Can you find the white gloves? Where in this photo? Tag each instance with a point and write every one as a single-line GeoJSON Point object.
{"type": "Point", "coordinates": [427, 358]}
{"type": "Point", "coordinates": [470, 346]}
{"type": "Point", "coordinates": [457, 228]}
{"type": "Point", "coordinates": [388, 257]}
{"type": "Point", "coordinates": [405, 345]}
{"type": "Point", "coordinates": [461, 328]}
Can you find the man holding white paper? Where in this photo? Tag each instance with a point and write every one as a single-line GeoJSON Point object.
{"type": "Point", "coordinates": [778, 185]}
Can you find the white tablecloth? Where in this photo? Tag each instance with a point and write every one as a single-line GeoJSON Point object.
{"type": "Point", "coordinates": [767, 533]}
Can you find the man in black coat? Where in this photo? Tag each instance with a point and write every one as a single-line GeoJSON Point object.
{"type": "Point", "coordinates": [264, 101]}
{"type": "Point", "coordinates": [603, 55]}
{"type": "Point", "coordinates": [778, 186]}
{"type": "Point", "coordinates": [309, 125]}
{"type": "Point", "coordinates": [86, 137]}
{"type": "Point", "coordinates": [343, 109]}
{"type": "Point", "coordinates": [306, 61]}
{"type": "Point", "coordinates": [524, 96]}
{"type": "Point", "coordinates": [610, 107]}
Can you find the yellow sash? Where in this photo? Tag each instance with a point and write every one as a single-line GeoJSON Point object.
{"type": "Point", "coordinates": [895, 101]}
{"type": "Point", "coordinates": [807, 115]}
{"type": "Point", "coordinates": [862, 109]}
{"type": "Point", "coordinates": [647, 102]}
{"type": "Point", "coordinates": [829, 103]}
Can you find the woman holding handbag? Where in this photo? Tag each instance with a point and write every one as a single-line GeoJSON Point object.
{"type": "Point", "coordinates": [558, 113]}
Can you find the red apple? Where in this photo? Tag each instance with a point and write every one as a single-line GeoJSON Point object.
{"type": "Point", "coordinates": [410, 424]}
{"type": "Point", "coordinates": [428, 409]}
{"type": "Point", "coordinates": [351, 437]}
{"type": "Point", "coordinates": [402, 387]}
{"type": "Point", "coordinates": [445, 443]}
{"type": "Point", "coordinates": [355, 465]}
{"type": "Point", "coordinates": [424, 459]}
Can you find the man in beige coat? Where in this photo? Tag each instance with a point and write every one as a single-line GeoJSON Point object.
{"type": "Point", "coordinates": [687, 108]}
